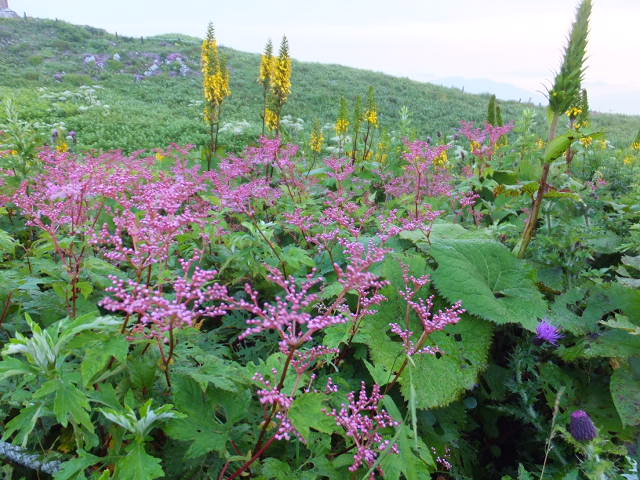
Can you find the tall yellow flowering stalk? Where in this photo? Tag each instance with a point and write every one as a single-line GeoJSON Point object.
{"type": "Point", "coordinates": [267, 64]}
{"type": "Point", "coordinates": [215, 82]}
{"type": "Point", "coordinates": [280, 86]}
{"type": "Point", "coordinates": [342, 123]}
{"type": "Point", "coordinates": [371, 117]}
{"type": "Point", "coordinates": [316, 142]}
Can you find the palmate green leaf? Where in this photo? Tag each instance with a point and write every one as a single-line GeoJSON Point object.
{"type": "Point", "coordinates": [137, 464]}
{"type": "Point", "coordinates": [70, 404]}
{"type": "Point", "coordinates": [489, 280]}
{"type": "Point", "coordinates": [625, 391]}
{"type": "Point", "coordinates": [199, 425]}
{"type": "Point", "coordinates": [306, 413]}
{"type": "Point", "coordinates": [99, 355]}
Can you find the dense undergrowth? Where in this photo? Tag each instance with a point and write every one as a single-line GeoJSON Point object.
{"type": "Point", "coordinates": [351, 307]}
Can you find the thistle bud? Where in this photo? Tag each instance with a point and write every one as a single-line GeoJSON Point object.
{"type": "Point", "coordinates": [582, 428]}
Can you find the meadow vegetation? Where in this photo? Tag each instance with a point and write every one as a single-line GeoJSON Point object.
{"type": "Point", "coordinates": [218, 265]}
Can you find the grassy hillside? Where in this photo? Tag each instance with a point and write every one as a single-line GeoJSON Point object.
{"type": "Point", "coordinates": [154, 110]}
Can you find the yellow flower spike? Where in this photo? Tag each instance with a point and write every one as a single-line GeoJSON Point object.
{"type": "Point", "coordinates": [316, 142]}
{"type": "Point", "coordinates": [372, 117]}
{"type": "Point", "coordinates": [271, 119]}
{"type": "Point", "coordinates": [342, 125]}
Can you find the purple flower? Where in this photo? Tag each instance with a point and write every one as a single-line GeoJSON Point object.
{"type": "Point", "coordinates": [545, 332]}
{"type": "Point", "coordinates": [581, 427]}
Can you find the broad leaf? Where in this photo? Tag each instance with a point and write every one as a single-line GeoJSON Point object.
{"type": "Point", "coordinates": [625, 390]}
{"type": "Point", "coordinates": [490, 281]}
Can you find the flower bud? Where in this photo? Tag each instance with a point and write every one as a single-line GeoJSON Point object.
{"type": "Point", "coordinates": [582, 428]}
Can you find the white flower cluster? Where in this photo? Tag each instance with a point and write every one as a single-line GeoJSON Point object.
{"type": "Point", "coordinates": [235, 127]}
{"type": "Point", "coordinates": [84, 96]}
{"type": "Point", "coordinates": [295, 124]}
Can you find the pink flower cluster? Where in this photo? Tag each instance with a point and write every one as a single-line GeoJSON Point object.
{"type": "Point", "coordinates": [477, 137]}
{"type": "Point", "coordinates": [362, 419]}
{"type": "Point", "coordinates": [423, 309]}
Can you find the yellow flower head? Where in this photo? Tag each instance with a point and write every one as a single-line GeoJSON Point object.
{"type": "Point", "coordinates": [540, 144]}
{"type": "Point", "coordinates": [636, 145]}
{"type": "Point", "coordinates": [342, 125]}
{"type": "Point", "coordinates": [586, 141]}
{"type": "Point", "coordinates": [603, 144]}
{"type": "Point", "coordinates": [628, 160]}
{"type": "Point", "coordinates": [63, 147]}
{"type": "Point", "coordinates": [441, 160]}
{"type": "Point", "coordinates": [475, 146]}
{"type": "Point", "coordinates": [159, 156]}
{"type": "Point", "coordinates": [14, 152]}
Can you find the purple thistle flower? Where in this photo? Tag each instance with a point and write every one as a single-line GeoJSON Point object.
{"type": "Point", "coordinates": [582, 428]}
{"type": "Point", "coordinates": [546, 332]}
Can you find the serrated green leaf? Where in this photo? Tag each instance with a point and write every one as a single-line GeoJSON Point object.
{"type": "Point", "coordinates": [97, 358]}
{"type": "Point", "coordinates": [306, 413]}
{"type": "Point", "coordinates": [137, 464]}
{"type": "Point", "coordinates": [23, 423]}
{"type": "Point", "coordinates": [438, 381]}
{"type": "Point", "coordinates": [274, 469]}
{"type": "Point", "coordinates": [625, 391]}
{"type": "Point", "coordinates": [613, 343]}
{"type": "Point", "coordinates": [489, 280]}
{"type": "Point", "coordinates": [74, 468]}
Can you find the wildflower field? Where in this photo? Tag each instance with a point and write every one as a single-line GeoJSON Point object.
{"type": "Point", "coordinates": [327, 286]}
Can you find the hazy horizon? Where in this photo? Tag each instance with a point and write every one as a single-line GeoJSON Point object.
{"type": "Point", "coordinates": [510, 48]}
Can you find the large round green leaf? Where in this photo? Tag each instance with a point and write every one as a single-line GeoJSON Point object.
{"type": "Point", "coordinates": [491, 282]}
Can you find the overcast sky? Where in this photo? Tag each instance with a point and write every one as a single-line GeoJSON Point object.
{"type": "Point", "coordinates": [475, 43]}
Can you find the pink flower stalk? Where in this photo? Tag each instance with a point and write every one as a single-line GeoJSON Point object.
{"type": "Point", "coordinates": [304, 359]}
{"type": "Point", "coordinates": [423, 309]}
{"type": "Point", "coordinates": [289, 315]}
{"type": "Point", "coordinates": [272, 396]}
{"type": "Point", "coordinates": [477, 137]}
{"type": "Point", "coordinates": [356, 275]}
{"type": "Point", "coordinates": [157, 312]}
{"type": "Point", "coordinates": [363, 419]}
{"type": "Point", "coordinates": [423, 176]}
{"type": "Point", "coordinates": [341, 169]}
{"type": "Point", "coordinates": [242, 198]}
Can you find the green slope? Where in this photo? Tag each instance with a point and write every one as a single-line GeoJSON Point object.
{"type": "Point", "coordinates": [162, 108]}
